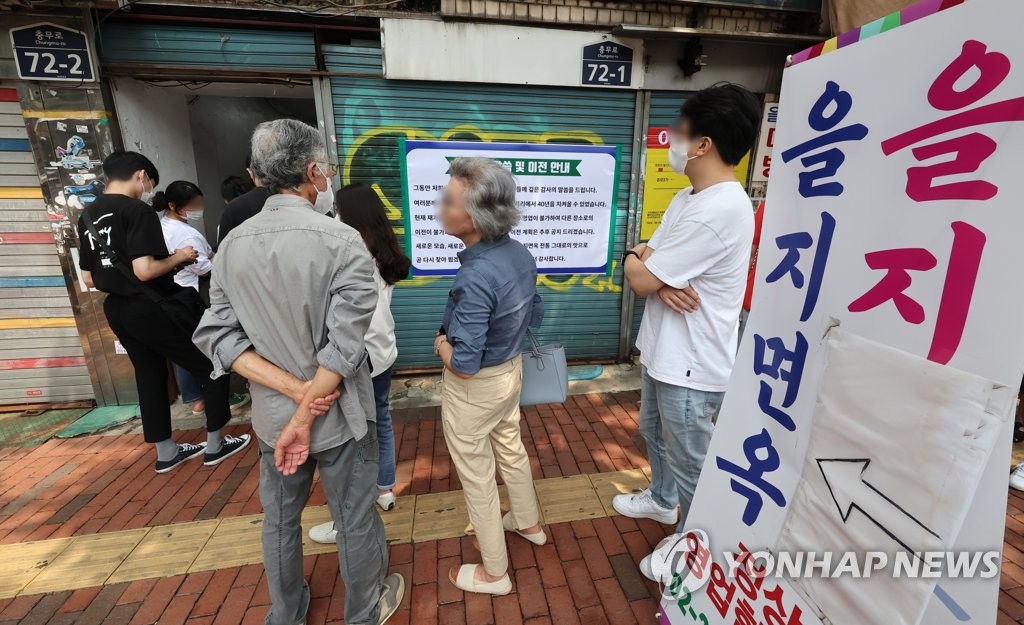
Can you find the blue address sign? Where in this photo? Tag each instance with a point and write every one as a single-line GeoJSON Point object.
{"type": "Point", "coordinates": [607, 64]}
{"type": "Point", "coordinates": [50, 52]}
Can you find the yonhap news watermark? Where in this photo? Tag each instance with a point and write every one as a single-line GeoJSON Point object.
{"type": "Point", "coordinates": [685, 561]}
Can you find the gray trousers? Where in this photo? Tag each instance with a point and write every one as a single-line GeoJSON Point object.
{"type": "Point", "coordinates": [349, 477]}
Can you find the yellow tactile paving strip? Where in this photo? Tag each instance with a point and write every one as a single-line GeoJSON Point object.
{"type": "Point", "coordinates": [167, 550]}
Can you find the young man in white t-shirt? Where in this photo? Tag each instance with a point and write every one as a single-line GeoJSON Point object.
{"type": "Point", "coordinates": [694, 272]}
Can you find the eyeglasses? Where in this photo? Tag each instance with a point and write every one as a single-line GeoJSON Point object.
{"type": "Point", "coordinates": [331, 168]}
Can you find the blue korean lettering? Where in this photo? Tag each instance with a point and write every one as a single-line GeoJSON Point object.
{"type": "Point", "coordinates": [816, 182]}
{"type": "Point", "coordinates": [794, 242]}
{"type": "Point", "coordinates": [756, 485]}
{"type": "Point", "coordinates": [780, 354]}
{"type": "Point", "coordinates": [764, 402]}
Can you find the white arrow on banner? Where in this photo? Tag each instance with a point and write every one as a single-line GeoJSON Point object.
{"type": "Point", "coordinates": [845, 480]}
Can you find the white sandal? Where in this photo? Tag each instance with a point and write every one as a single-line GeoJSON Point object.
{"type": "Point", "coordinates": [466, 580]}
{"type": "Point", "coordinates": [537, 538]}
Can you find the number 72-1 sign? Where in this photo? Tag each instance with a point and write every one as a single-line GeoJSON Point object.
{"type": "Point", "coordinates": [607, 64]}
{"type": "Point", "coordinates": [49, 52]}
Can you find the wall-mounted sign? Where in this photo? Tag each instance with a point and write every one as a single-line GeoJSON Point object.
{"type": "Point", "coordinates": [607, 64]}
{"type": "Point", "coordinates": [765, 142]}
{"type": "Point", "coordinates": [49, 52]}
{"type": "Point", "coordinates": [566, 194]}
{"type": "Point", "coordinates": [661, 184]}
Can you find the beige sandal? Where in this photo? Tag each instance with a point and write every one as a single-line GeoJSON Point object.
{"type": "Point", "coordinates": [466, 580]}
{"type": "Point", "coordinates": [537, 538]}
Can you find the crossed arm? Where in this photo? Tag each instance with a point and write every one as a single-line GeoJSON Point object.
{"type": "Point", "coordinates": [644, 283]}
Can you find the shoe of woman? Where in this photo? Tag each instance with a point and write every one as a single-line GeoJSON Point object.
{"type": "Point", "coordinates": [537, 538]}
{"type": "Point", "coordinates": [466, 580]}
{"type": "Point", "coordinates": [237, 401]}
{"type": "Point", "coordinates": [325, 533]}
{"type": "Point", "coordinates": [386, 501]}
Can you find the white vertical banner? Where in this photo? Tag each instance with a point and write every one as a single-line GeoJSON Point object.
{"type": "Point", "coordinates": [762, 164]}
{"type": "Point", "coordinates": [870, 408]}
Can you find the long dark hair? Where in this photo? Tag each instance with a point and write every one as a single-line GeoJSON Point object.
{"type": "Point", "coordinates": [179, 193]}
{"type": "Point", "coordinates": [359, 206]}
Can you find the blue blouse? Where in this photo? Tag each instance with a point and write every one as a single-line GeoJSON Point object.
{"type": "Point", "coordinates": [493, 300]}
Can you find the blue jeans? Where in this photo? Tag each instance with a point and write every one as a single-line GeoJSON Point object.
{"type": "Point", "coordinates": [189, 385]}
{"type": "Point", "coordinates": [385, 433]}
{"type": "Point", "coordinates": [676, 423]}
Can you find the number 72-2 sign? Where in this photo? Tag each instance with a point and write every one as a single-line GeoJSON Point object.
{"type": "Point", "coordinates": [607, 64]}
{"type": "Point", "coordinates": [49, 52]}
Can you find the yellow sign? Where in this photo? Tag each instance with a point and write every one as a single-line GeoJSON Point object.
{"type": "Point", "coordinates": [661, 183]}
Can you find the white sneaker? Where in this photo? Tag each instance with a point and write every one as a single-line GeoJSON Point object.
{"type": "Point", "coordinates": [386, 501]}
{"type": "Point", "coordinates": [1017, 478]}
{"type": "Point", "coordinates": [647, 568]}
{"type": "Point", "coordinates": [325, 533]}
{"type": "Point", "coordinates": [642, 506]}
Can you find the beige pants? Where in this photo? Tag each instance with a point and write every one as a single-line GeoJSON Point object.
{"type": "Point", "coordinates": [480, 417]}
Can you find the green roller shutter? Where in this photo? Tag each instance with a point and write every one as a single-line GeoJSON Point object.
{"type": "Point", "coordinates": [372, 113]}
{"type": "Point", "coordinates": [206, 47]}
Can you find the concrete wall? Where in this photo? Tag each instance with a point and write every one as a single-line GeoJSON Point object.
{"type": "Point", "coordinates": [756, 66]}
{"type": "Point", "coordinates": [200, 136]}
{"type": "Point", "coordinates": [612, 13]}
{"type": "Point", "coordinates": [154, 121]}
{"type": "Point", "coordinates": [507, 54]}
{"type": "Point", "coordinates": [220, 131]}
{"type": "Point", "coordinates": [491, 53]}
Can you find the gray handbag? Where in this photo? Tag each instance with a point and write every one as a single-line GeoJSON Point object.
{"type": "Point", "coordinates": [545, 373]}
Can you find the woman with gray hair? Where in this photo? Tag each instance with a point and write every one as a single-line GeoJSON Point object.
{"type": "Point", "coordinates": [294, 324]}
{"type": "Point", "coordinates": [493, 300]}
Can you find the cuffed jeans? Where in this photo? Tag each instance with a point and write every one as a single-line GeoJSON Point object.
{"type": "Point", "coordinates": [385, 431]}
{"type": "Point", "coordinates": [348, 473]}
{"type": "Point", "coordinates": [191, 390]}
{"type": "Point", "coordinates": [676, 423]}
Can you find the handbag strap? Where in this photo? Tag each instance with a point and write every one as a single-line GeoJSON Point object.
{"type": "Point", "coordinates": [534, 345]}
{"type": "Point", "coordinates": [127, 271]}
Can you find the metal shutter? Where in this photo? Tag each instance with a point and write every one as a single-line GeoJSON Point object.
{"type": "Point", "coordinates": [41, 357]}
{"type": "Point", "coordinates": [214, 48]}
{"type": "Point", "coordinates": [663, 111]}
{"type": "Point", "coordinates": [371, 113]}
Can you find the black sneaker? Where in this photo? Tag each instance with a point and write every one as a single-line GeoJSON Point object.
{"type": "Point", "coordinates": [230, 446]}
{"type": "Point", "coordinates": [186, 451]}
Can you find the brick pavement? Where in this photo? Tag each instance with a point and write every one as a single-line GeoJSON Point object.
{"type": "Point", "coordinates": [95, 484]}
{"type": "Point", "coordinates": [586, 575]}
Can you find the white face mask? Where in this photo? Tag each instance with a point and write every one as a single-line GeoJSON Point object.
{"type": "Point", "coordinates": [679, 156]}
{"type": "Point", "coordinates": [324, 199]}
{"type": "Point", "coordinates": [194, 215]}
{"type": "Point", "coordinates": [147, 196]}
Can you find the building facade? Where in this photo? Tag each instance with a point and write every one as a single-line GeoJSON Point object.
{"type": "Point", "coordinates": [186, 83]}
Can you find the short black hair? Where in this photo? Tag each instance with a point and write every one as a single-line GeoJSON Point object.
{"type": "Point", "coordinates": [233, 186]}
{"type": "Point", "coordinates": [122, 165]}
{"type": "Point", "coordinates": [726, 113]}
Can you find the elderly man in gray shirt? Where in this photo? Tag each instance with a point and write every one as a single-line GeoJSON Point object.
{"type": "Point", "coordinates": [291, 296]}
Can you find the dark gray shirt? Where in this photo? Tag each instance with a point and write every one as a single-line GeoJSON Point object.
{"type": "Point", "coordinates": [493, 300]}
{"type": "Point", "coordinates": [298, 288]}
